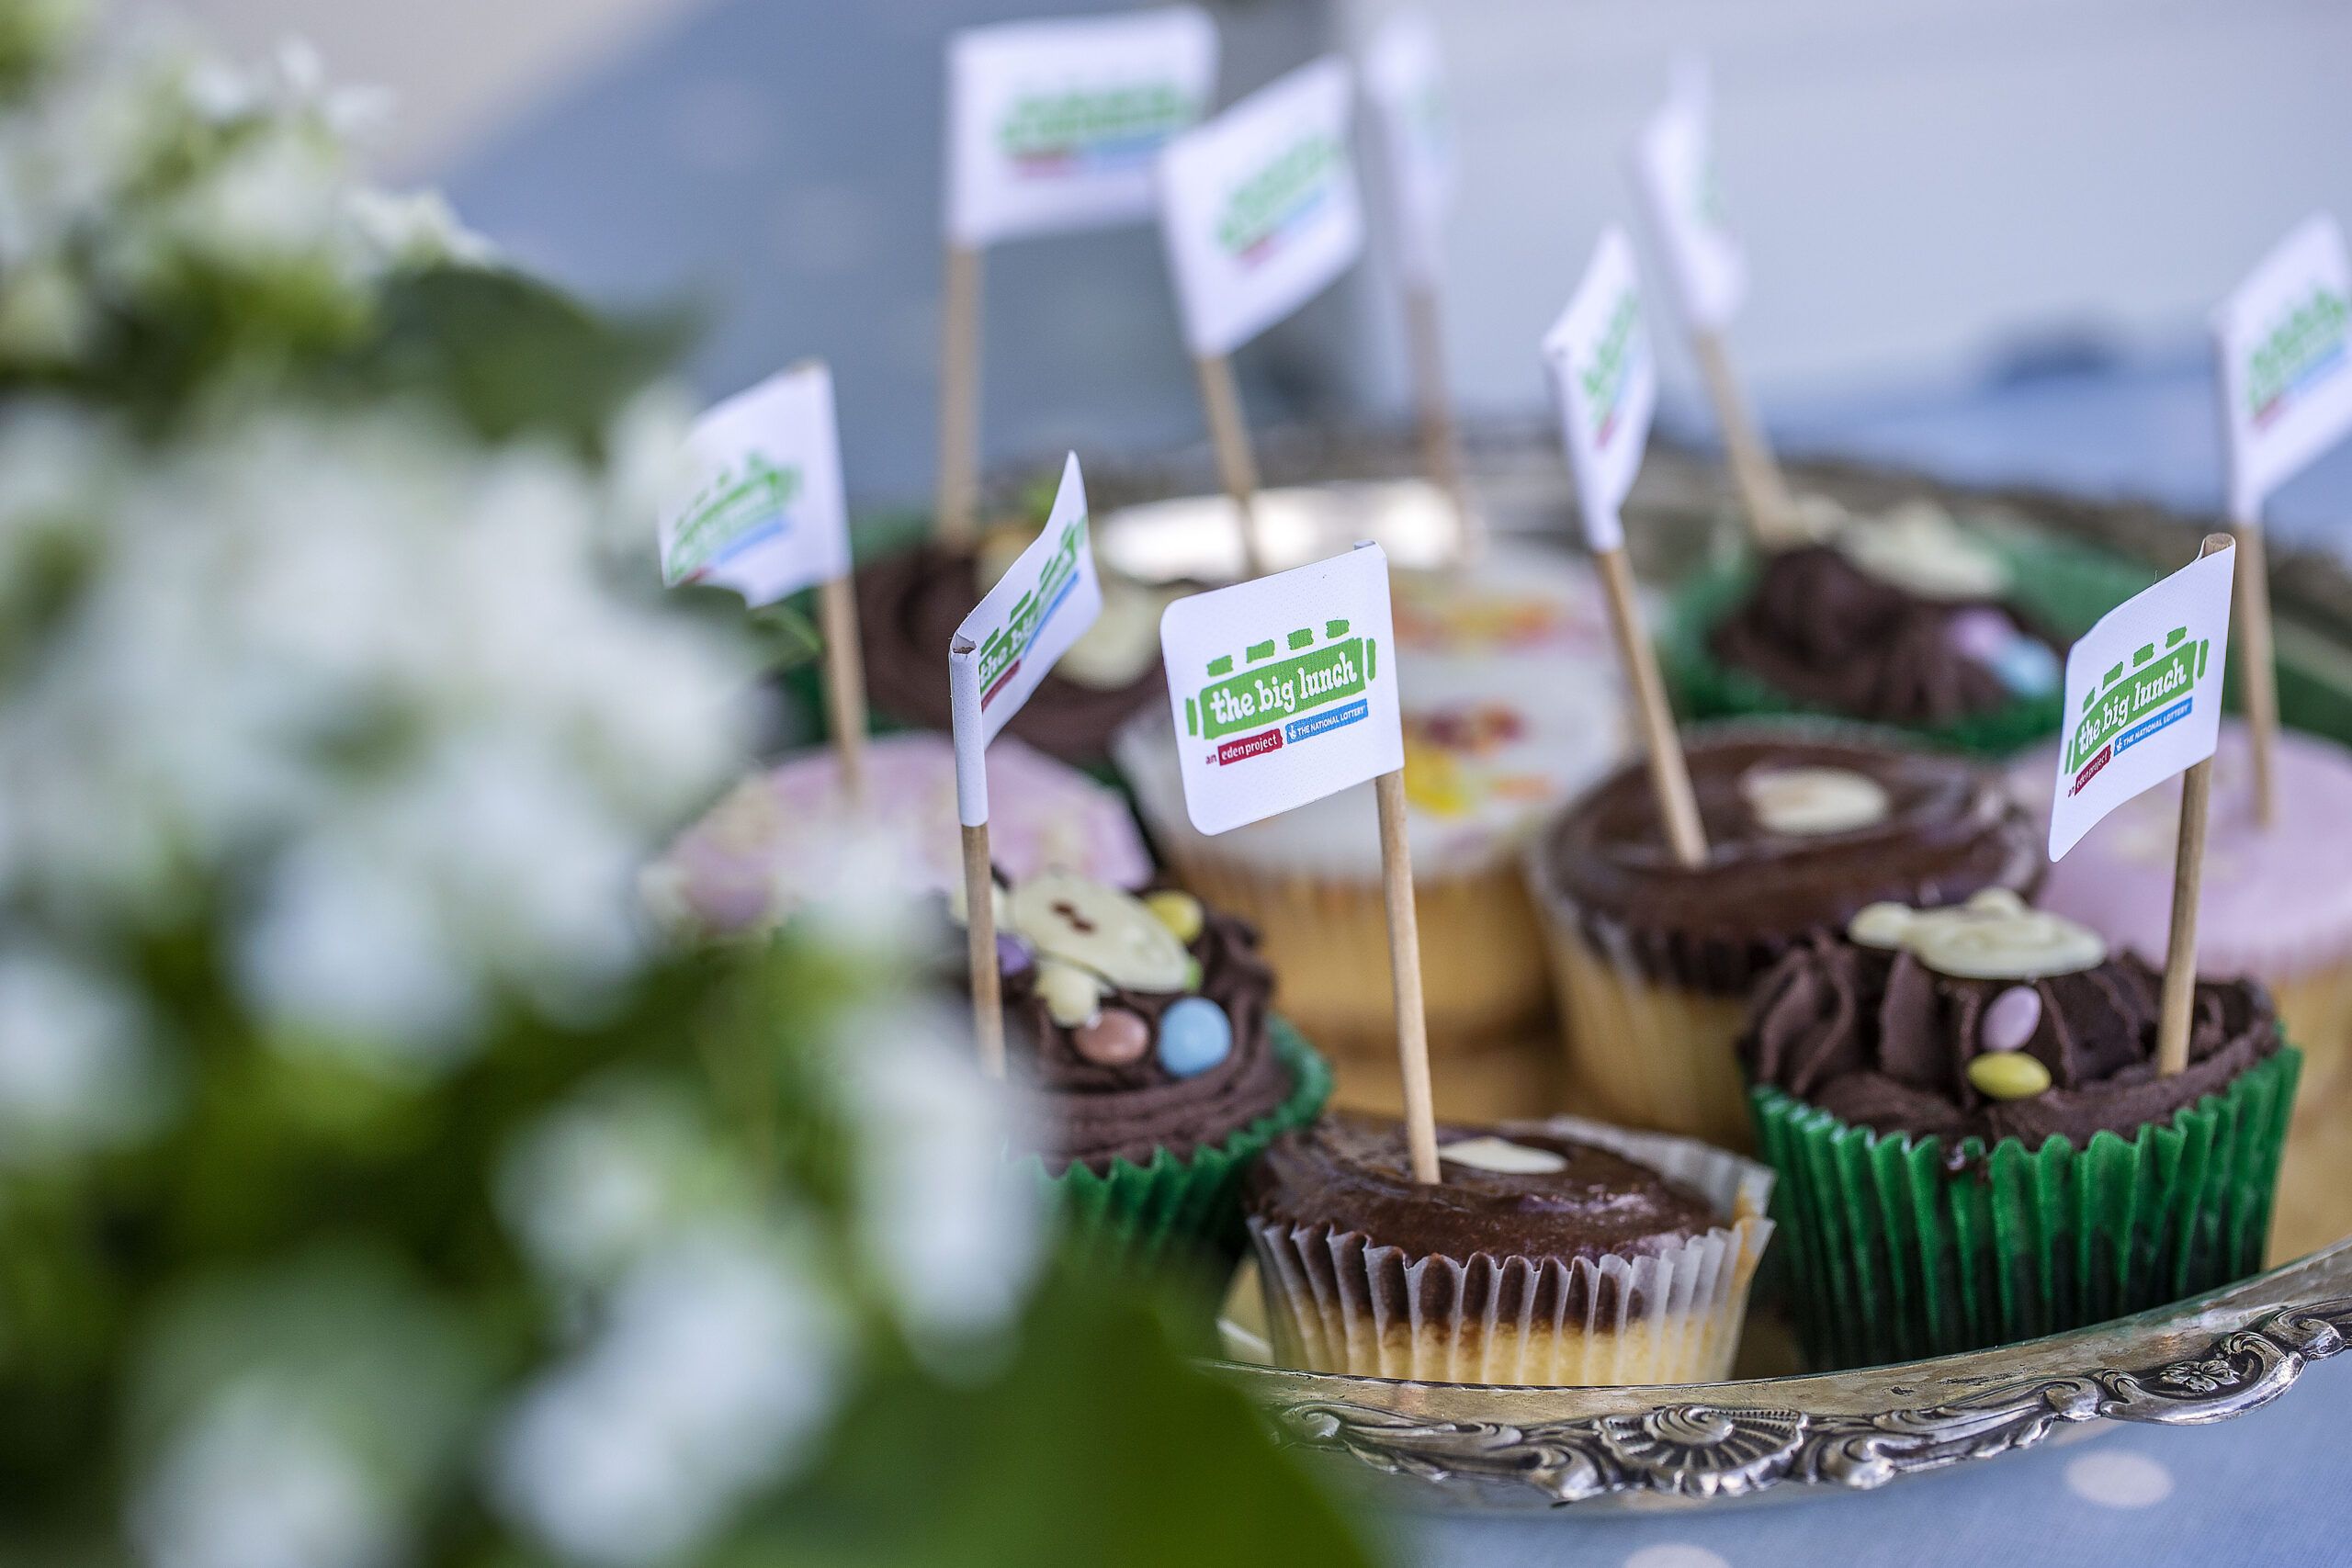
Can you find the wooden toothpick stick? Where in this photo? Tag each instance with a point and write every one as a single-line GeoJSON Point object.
{"type": "Point", "coordinates": [2187, 882]}
{"type": "Point", "coordinates": [845, 683]}
{"type": "Point", "coordinates": [980, 926]}
{"type": "Point", "coordinates": [959, 398]}
{"type": "Point", "coordinates": [1763, 492]}
{"type": "Point", "coordinates": [1440, 445]}
{"type": "Point", "coordinates": [2257, 671]}
{"type": "Point", "coordinates": [1237, 466]}
{"type": "Point", "coordinates": [1677, 808]}
{"type": "Point", "coordinates": [1405, 972]}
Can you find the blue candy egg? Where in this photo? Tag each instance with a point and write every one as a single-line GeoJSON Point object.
{"type": "Point", "coordinates": [2027, 667]}
{"type": "Point", "coordinates": [1194, 1035]}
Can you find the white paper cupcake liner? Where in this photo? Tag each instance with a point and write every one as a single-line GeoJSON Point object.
{"type": "Point", "coordinates": [1636, 1318]}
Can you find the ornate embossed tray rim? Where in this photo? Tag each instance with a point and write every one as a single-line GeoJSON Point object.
{"type": "Point", "coordinates": [1487, 1447]}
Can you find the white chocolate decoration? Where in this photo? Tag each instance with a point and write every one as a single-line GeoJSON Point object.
{"type": "Point", "coordinates": [1994, 936]}
{"type": "Point", "coordinates": [1123, 642]}
{"type": "Point", "coordinates": [1504, 1157]}
{"type": "Point", "coordinates": [1804, 801]}
{"type": "Point", "coordinates": [1098, 928]}
{"type": "Point", "coordinates": [1073, 998]}
{"type": "Point", "coordinates": [1917, 547]}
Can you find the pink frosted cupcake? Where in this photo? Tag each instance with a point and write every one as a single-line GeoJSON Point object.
{"type": "Point", "coordinates": [758, 854]}
{"type": "Point", "coordinates": [2277, 900]}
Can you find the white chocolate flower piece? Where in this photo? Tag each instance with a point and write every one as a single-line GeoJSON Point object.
{"type": "Point", "coordinates": [1918, 547]}
{"type": "Point", "coordinates": [1994, 936]}
{"type": "Point", "coordinates": [1805, 801]}
{"type": "Point", "coordinates": [1098, 928]}
{"type": "Point", "coordinates": [1503, 1157]}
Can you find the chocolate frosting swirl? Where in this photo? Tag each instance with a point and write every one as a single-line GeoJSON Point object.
{"type": "Point", "coordinates": [1097, 1113]}
{"type": "Point", "coordinates": [908, 605]}
{"type": "Point", "coordinates": [1352, 1173]}
{"type": "Point", "coordinates": [1876, 1038]}
{"type": "Point", "coordinates": [1830, 635]}
{"type": "Point", "coordinates": [1951, 829]}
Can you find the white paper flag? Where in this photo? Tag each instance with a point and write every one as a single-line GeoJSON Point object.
{"type": "Point", "coordinates": [1674, 174]}
{"type": "Point", "coordinates": [765, 516]}
{"type": "Point", "coordinates": [1404, 79]}
{"type": "Point", "coordinates": [2286, 376]}
{"type": "Point", "coordinates": [1012, 636]}
{"type": "Point", "coordinates": [1283, 688]}
{"type": "Point", "coordinates": [1605, 385]}
{"type": "Point", "coordinates": [2144, 696]}
{"type": "Point", "coordinates": [1259, 207]}
{"type": "Point", "coordinates": [1057, 125]}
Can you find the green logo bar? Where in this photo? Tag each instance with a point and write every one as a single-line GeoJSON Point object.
{"type": "Point", "coordinates": [2128, 694]}
{"type": "Point", "coordinates": [1261, 203]}
{"type": "Point", "coordinates": [1062, 125]}
{"type": "Point", "coordinates": [2308, 335]}
{"type": "Point", "coordinates": [1005, 645]}
{"type": "Point", "coordinates": [726, 507]}
{"type": "Point", "coordinates": [1267, 694]}
{"type": "Point", "coordinates": [1604, 378]}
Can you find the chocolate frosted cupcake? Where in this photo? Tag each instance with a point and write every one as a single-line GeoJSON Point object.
{"type": "Point", "coordinates": [1558, 1253]}
{"type": "Point", "coordinates": [1977, 1148]}
{"type": "Point", "coordinates": [1903, 621]}
{"type": "Point", "coordinates": [908, 605]}
{"type": "Point", "coordinates": [1143, 1025]}
{"type": "Point", "coordinates": [1653, 960]}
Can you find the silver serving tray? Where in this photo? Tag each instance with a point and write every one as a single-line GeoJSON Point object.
{"type": "Point", "coordinates": [1593, 1451]}
{"type": "Point", "coordinates": [1489, 1448]}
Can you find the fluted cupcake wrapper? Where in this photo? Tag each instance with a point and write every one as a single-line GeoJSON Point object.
{"type": "Point", "coordinates": [1624, 1318]}
{"type": "Point", "coordinates": [1900, 1248]}
{"type": "Point", "coordinates": [2064, 586]}
{"type": "Point", "coordinates": [1141, 1216]}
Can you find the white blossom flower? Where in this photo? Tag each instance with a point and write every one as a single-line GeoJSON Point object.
{"type": "Point", "coordinates": [593, 1185]}
{"type": "Point", "coordinates": [952, 1228]}
{"type": "Point", "coordinates": [76, 1073]}
{"type": "Point", "coordinates": [715, 1366]}
{"type": "Point", "coordinates": [258, 1480]}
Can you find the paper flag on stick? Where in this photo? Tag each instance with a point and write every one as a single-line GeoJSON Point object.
{"type": "Point", "coordinates": [1009, 642]}
{"type": "Point", "coordinates": [1057, 125]}
{"type": "Point", "coordinates": [2144, 696]}
{"type": "Point", "coordinates": [1674, 172]}
{"type": "Point", "coordinates": [1605, 381]}
{"type": "Point", "coordinates": [765, 516]}
{"type": "Point", "coordinates": [1285, 690]}
{"type": "Point", "coordinates": [2284, 341]}
{"type": "Point", "coordinates": [1404, 80]}
{"type": "Point", "coordinates": [1260, 206]}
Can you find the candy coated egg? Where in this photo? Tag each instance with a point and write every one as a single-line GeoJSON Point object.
{"type": "Point", "coordinates": [1194, 1035]}
{"type": "Point", "coordinates": [2010, 1019]}
{"type": "Point", "coordinates": [2008, 1075]}
{"type": "Point", "coordinates": [1179, 911]}
{"type": "Point", "coordinates": [1115, 1038]}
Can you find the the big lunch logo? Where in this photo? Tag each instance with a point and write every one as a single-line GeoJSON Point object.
{"type": "Point", "coordinates": [742, 506]}
{"type": "Point", "coordinates": [2305, 344]}
{"type": "Point", "coordinates": [1001, 651]}
{"type": "Point", "coordinates": [1286, 691]}
{"type": "Point", "coordinates": [2151, 692]}
{"type": "Point", "coordinates": [1092, 129]}
{"type": "Point", "coordinates": [1606, 376]}
{"type": "Point", "coordinates": [1278, 196]}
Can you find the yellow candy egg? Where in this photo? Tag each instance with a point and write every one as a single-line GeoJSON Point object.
{"type": "Point", "coordinates": [1179, 912]}
{"type": "Point", "coordinates": [2008, 1075]}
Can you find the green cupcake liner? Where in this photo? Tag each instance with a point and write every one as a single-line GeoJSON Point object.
{"type": "Point", "coordinates": [2065, 586]}
{"type": "Point", "coordinates": [1897, 1251]}
{"type": "Point", "coordinates": [1141, 1216]}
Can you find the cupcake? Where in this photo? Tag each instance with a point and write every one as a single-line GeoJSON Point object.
{"type": "Point", "coordinates": [1509, 699]}
{"type": "Point", "coordinates": [1804, 825]}
{"type": "Point", "coordinates": [780, 836]}
{"type": "Point", "coordinates": [1903, 621]}
{"type": "Point", "coordinates": [1558, 1253]}
{"type": "Point", "coordinates": [909, 604]}
{"type": "Point", "coordinates": [1142, 1024]}
{"type": "Point", "coordinates": [2275, 904]}
{"type": "Point", "coordinates": [1974, 1144]}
